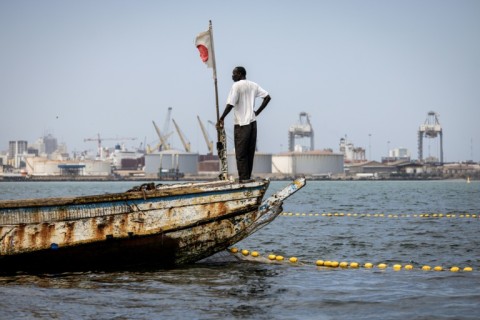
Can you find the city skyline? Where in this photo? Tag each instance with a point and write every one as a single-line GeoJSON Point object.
{"type": "Point", "coordinates": [369, 71]}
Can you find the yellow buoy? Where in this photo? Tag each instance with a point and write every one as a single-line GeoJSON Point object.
{"type": "Point", "coordinates": [343, 264]}
{"type": "Point", "coordinates": [293, 260]}
{"type": "Point", "coordinates": [334, 264]}
{"type": "Point", "coordinates": [319, 263]}
{"type": "Point", "coordinates": [426, 268]}
{"type": "Point", "coordinates": [327, 263]}
{"type": "Point", "coordinates": [397, 267]}
{"type": "Point", "coordinates": [382, 266]}
{"type": "Point", "coordinates": [279, 258]}
{"type": "Point", "coordinates": [272, 256]}
{"type": "Point", "coordinates": [438, 268]}
{"type": "Point", "coordinates": [468, 269]}
{"type": "Point", "coordinates": [454, 269]}
{"type": "Point", "coordinates": [245, 252]}
{"type": "Point", "coordinates": [368, 265]}
{"type": "Point", "coordinates": [354, 265]}
{"type": "Point", "coordinates": [408, 267]}
{"type": "Point", "coordinates": [255, 254]}
{"type": "Point", "coordinates": [233, 250]}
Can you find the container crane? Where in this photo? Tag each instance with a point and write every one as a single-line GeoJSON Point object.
{"type": "Point", "coordinates": [205, 135]}
{"type": "Point", "coordinates": [99, 140]}
{"type": "Point", "coordinates": [300, 130]}
{"type": "Point", "coordinates": [185, 143]}
{"type": "Point", "coordinates": [430, 129]}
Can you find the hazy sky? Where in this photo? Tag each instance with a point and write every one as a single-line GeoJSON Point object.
{"type": "Point", "coordinates": [78, 68]}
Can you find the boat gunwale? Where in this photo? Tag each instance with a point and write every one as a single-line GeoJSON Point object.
{"type": "Point", "coordinates": [158, 192]}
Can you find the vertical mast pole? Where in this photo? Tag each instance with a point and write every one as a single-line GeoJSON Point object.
{"type": "Point", "coordinates": [221, 135]}
{"type": "Point", "coordinates": [214, 64]}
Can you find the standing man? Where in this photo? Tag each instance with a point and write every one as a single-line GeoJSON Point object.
{"type": "Point", "coordinates": [242, 99]}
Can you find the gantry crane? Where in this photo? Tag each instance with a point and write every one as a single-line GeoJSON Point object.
{"type": "Point", "coordinates": [99, 140]}
{"type": "Point", "coordinates": [205, 135]}
{"type": "Point", "coordinates": [430, 129]}
{"type": "Point", "coordinates": [186, 144]}
{"type": "Point", "coordinates": [300, 130]}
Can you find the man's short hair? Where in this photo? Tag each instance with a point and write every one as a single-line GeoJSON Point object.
{"type": "Point", "coordinates": [242, 70]}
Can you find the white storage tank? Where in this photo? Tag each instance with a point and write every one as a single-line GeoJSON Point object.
{"type": "Point", "coordinates": [42, 167]}
{"type": "Point", "coordinates": [317, 162]}
{"type": "Point", "coordinates": [186, 162]}
{"type": "Point", "coordinates": [262, 163]}
{"type": "Point", "coordinates": [97, 167]}
{"type": "Point", "coordinates": [46, 167]}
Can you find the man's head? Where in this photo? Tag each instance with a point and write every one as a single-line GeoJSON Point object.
{"type": "Point", "coordinates": [239, 73]}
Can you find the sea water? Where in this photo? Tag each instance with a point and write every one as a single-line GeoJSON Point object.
{"type": "Point", "coordinates": [420, 223]}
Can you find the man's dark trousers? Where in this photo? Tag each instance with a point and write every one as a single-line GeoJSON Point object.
{"type": "Point", "coordinates": [245, 140]}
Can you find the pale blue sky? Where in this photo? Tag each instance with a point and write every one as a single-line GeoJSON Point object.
{"type": "Point", "coordinates": [357, 67]}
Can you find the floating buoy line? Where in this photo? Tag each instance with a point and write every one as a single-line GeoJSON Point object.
{"type": "Point", "coordinates": [382, 215]}
{"type": "Point", "coordinates": [244, 254]}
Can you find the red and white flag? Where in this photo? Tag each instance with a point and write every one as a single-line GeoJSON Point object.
{"type": "Point", "coordinates": [203, 42]}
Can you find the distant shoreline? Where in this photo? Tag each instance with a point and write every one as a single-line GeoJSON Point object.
{"type": "Point", "coordinates": [212, 178]}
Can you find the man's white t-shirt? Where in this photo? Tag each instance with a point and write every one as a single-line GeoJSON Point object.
{"type": "Point", "coordinates": [242, 97]}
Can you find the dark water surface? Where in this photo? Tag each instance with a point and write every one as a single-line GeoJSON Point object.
{"type": "Point", "coordinates": [384, 226]}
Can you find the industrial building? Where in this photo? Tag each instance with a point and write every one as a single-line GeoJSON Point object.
{"type": "Point", "coordinates": [350, 152]}
{"type": "Point", "coordinates": [16, 150]}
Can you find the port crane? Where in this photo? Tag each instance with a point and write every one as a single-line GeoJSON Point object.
{"type": "Point", "coordinates": [163, 142]}
{"type": "Point", "coordinates": [205, 135]}
{"type": "Point", "coordinates": [430, 129]}
{"type": "Point", "coordinates": [185, 143]}
{"type": "Point", "coordinates": [99, 140]}
{"type": "Point", "coordinates": [301, 129]}
{"type": "Point", "coordinates": [162, 145]}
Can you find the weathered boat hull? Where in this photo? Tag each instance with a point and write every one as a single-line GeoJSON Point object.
{"type": "Point", "coordinates": [163, 225]}
{"type": "Point", "coordinates": [161, 249]}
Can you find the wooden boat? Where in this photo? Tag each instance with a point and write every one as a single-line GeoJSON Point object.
{"type": "Point", "coordinates": [150, 225]}
{"type": "Point", "coordinates": [161, 225]}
